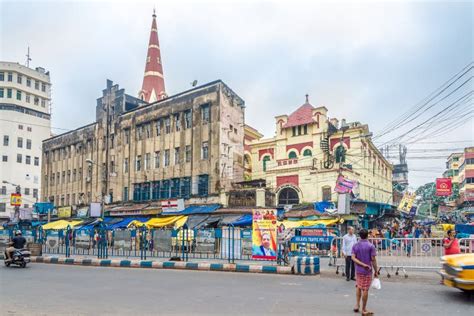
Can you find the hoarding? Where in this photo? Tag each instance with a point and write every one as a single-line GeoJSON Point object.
{"type": "Point", "coordinates": [264, 234]}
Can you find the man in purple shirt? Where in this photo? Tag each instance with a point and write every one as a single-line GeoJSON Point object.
{"type": "Point", "coordinates": [363, 255]}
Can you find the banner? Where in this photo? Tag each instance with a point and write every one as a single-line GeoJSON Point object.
{"type": "Point", "coordinates": [344, 185]}
{"type": "Point", "coordinates": [15, 199]}
{"type": "Point", "coordinates": [64, 212]}
{"type": "Point", "coordinates": [407, 202]}
{"type": "Point", "coordinates": [444, 187]}
{"type": "Point", "coordinates": [264, 233]}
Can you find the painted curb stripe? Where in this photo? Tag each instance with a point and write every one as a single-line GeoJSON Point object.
{"type": "Point", "coordinates": [125, 263]}
{"type": "Point", "coordinates": [54, 260]}
{"type": "Point", "coordinates": [217, 266]}
{"type": "Point", "coordinates": [69, 261]}
{"type": "Point", "coordinates": [86, 262]}
{"type": "Point", "coordinates": [269, 269]}
{"type": "Point", "coordinates": [168, 264]}
{"type": "Point", "coordinates": [192, 265]}
{"type": "Point", "coordinates": [145, 264]}
{"type": "Point", "coordinates": [105, 263]}
{"type": "Point", "coordinates": [242, 268]}
{"type": "Point", "coordinates": [39, 259]}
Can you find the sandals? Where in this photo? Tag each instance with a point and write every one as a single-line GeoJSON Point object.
{"type": "Point", "coordinates": [356, 310]}
{"type": "Point", "coordinates": [367, 313]}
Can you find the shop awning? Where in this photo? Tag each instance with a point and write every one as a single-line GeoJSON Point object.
{"type": "Point", "coordinates": [126, 221]}
{"type": "Point", "coordinates": [195, 209]}
{"type": "Point", "coordinates": [61, 224]}
{"type": "Point", "coordinates": [176, 221]}
{"type": "Point", "coordinates": [245, 220]}
{"type": "Point", "coordinates": [88, 224]}
{"type": "Point", "coordinates": [305, 223]}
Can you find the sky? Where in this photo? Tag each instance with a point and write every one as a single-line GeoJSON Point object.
{"type": "Point", "coordinates": [367, 61]}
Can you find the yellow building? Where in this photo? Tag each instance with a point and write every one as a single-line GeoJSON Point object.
{"type": "Point", "coordinates": [466, 176]}
{"type": "Point", "coordinates": [452, 167]}
{"type": "Point", "coordinates": [302, 161]}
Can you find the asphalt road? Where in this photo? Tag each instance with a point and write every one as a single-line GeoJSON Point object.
{"type": "Point", "coordinates": [46, 289]}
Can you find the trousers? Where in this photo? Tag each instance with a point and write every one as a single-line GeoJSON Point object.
{"type": "Point", "coordinates": [350, 268]}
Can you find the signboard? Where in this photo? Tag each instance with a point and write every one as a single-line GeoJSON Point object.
{"type": "Point", "coordinates": [312, 239]}
{"type": "Point", "coordinates": [133, 212]}
{"type": "Point", "coordinates": [173, 205]}
{"type": "Point", "coordinates": [344, 185]}
{"type": "Point", "coordinates": [95, 209]}
{"type": "Point", "coordinates": [343, 204]}
{"type": "Point", "coordinates": [313, 232]}
{"type": "Point", "coordinates": [64, 212]}
{"type": "Point", "coordinates": [82, 239]}
{"type": "Point", "coordinates": [407, 202]}
{"type": "Point", "coordinates": [26, 213]}
{"type": "Point", "coordinates": [264, 233]}
{"type": "Point", "coordinates": [444, 187]}
{"type": "Point", "coordinates": [15, 199]}
{"type": "Point", "coordinates": [82, 212]}
{"type": "Point", "coordinates": [205, 241]}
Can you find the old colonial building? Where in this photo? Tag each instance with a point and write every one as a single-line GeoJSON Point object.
{"type": "Point", "coordinates": [302, 161]}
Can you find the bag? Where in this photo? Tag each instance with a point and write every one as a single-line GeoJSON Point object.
{"type": "Point", "coordinates": [376, 284]}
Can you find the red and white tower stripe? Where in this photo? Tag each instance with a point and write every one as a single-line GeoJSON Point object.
{"type": "Point", "coordinates": [153, 88]}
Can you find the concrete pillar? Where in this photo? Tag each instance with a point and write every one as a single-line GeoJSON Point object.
{"type": "Point", "coordinates": [224, 199]}
{"type": "Point", "coordinates": [260, 197]}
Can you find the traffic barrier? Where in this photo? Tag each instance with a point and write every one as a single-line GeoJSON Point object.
{"type": "Point", "coordinates": [305, 265]}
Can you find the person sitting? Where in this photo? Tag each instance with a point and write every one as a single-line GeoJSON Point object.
{"type": "Point", "coordinates": [18, 242]}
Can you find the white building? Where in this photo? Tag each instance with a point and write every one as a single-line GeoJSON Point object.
{"type": "Point", "coordinates": [25, 96]}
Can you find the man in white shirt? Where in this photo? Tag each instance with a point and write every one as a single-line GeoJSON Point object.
{"type": "Point", "coordinates": [348, 241]}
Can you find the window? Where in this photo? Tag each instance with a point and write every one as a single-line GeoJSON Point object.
{"type": "Point", "coordinates": [112, 165]}
{"type": "Point", "coordinates": [43, 87]}
{"type": "Point", "coordinates": [9, 93]}
{"type": "Point", "coordinates": [79, 177]}
{"type": "Point", "coordinates": [266, 159]}
{"type": "Point", "coordinates": [74, 175]}
{"type": "Point", "coordinates": [166, 158]}
{"type": "Point", "coordinates": [188, 119]}
{"type": "Point", "coordinates": [158, 127]}
{"type": "Point", "coordinates": [307, 153]}
{"type": "Point", "coordinates": [28, 160]}
{"type": "Point", "coordinates": [177, 122]}
{"type": "Point", "coordinates": [2, 92]}
{"type": "Point", "coordinates": [29, 129]}
{"type": "Point", "coordinates": [36, 101]}
{"type": "Point", "coordinates": [4, 190]}
{"type": "Point", "coordinates": [204, 151]}
{"type": "Point", "coordinates": [36, 84]}
{"type": "Point", "coordinates": [125, 193]}
{"type": "Point", "coordinates": [10, 76]}
{"type": "Point", "coordinates": [2, 76]}
{"type": "Point", "coordinates": [326, 193]}
{"type": "Point", "coordinates": [63, 178]}
{"type": "Point", "coordinates": [205, 115]}
{"type": "Point", "coordinates": [125, 165]}
{"type": "Point", "coordinates": [138, 163]}
{"type": "Point", "coordinates": [147, 130]}
{"type": "Point", "coordinates": [5, 158]}
{"type": "Point", "coordinates": [292, 155]}
{"type": "Point", "coordinates": [203, 185]}
{"type": "Point", "coordinates": [18, 95]}
{"type": "Point", "coordinates": [28, 144]}
{"type": "Point", "coordinates": [288, 196]}
{"type": "Point", "coordinates": [43, 102]}
{"type": "Point", "coordinates": [147, 161]}
{"type": "Point", "coordinates": [167, 125]}
{"type": "Point", "coordinates": [188, 153]}
{"type": "Point", "coordinates": [126, 136]}
{"type": "Point", "coordinates": [305, 129]}
{"type": "Point", "coordinates": [18, 158]}
{"type": "Point", "coordinates": [3, 207]}
{"type": "Point", "coordinates": [69, 176]}
{"type": "Point", "coordinates": [73, 198]}
{"type": "Point", "coordinates": [157, 159]}
{"type": "Point", "coordinates": [28, 82]}
{"type": "Point", "coordinates": [19, 78]}
{"type": "Point", "coordinates": [139, 132]}
{"type": "Point", "coordinates": [6, 140]}
{"type": "Point", "coordinates": [176, 156]}
{"type": "Point", "coordinates": [27, 191]}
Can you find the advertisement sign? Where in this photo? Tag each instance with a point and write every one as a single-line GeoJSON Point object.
{"type": "Point", "coordinates": [344, 185]}
{"type": "Point", "coordinates": [95, 209]}
{"type": "Point", "coordinates": [312, 239]}
{"type": "Point", "coordinates": [444, 186]}
{"type": "Point", "coordinates": [173, 205]}
{"type": "Point", "coordinates": [15, 199]}
{"type": "Point", "coordinates": [64, 211]}
{"type": "Point", "coordinates": [407, 202]}
{"type": "Point", "coordinates": [264, 233]}
{"type": "Point", "coordinates": [82, 212]}
{"type": "Point", "coordinates": [313, 232]}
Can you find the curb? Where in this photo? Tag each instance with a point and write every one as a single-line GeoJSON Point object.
{"type": "Point", "coordinates": [177, 265]}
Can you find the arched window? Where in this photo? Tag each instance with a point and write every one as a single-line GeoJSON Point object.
{"type": "Point", "coordinates": [288, 196]}
{"type": "Point", "coordinates": [307, 152]}
{"type": "Point", "coordinates": [326, 193]}
{"type": "Point", "coordinates": [265, 160]}
{"type": "Point", "coordinates": [292, 155]}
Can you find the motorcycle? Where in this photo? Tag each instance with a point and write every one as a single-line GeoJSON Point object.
{"type": "Point", "coordinates": [20, 257]}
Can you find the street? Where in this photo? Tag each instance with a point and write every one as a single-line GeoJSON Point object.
{"type": "Point", "coordinates": [46, 289]}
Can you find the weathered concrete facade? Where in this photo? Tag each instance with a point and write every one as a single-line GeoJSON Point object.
{"type": "Point", "coordinates": [189, 145]}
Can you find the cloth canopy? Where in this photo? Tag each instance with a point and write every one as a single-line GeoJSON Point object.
{"type": "Point", "coordinates": [195, 209]}
{"type": "Point", "coordinates": [176, 221]}
{"type": "Point", "coordinates": [123, 223]}
{"type": "Point", "coordinates": [61, 224]}
{"type": "Point", "coordinates": [322, 206]}
{"type": "Point", "coordinates": [305, 223]}
{"type": "Point", "coordinates": [245, 220]}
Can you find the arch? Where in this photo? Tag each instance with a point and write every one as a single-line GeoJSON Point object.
{"type": "Point", "coordinates": [307, 152]}
{"type": "Point", "coordinates": [265, 159]}
{"type": "Point", "coordinates": [292, 155]}
{"type": "Point", "coordinates": [288, 195]}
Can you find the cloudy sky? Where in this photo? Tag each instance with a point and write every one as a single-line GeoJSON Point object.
{"type": "Point", "coordinates": [367, 62]}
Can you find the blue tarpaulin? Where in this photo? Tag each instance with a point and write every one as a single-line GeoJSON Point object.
{"type": "Point", "coordinates": [195, 209]}
{"type": "Point", "coordinates": [124, 223]}
{"type": "Point", "coordinates": [245, 220]}
{"type": "Point", "coordinates": [43, 207]}
{"type": "Point", "coordinates": [322, 206]}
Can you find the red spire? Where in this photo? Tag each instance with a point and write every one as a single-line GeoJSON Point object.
{"type": "Point", "coordinates": [153, 87]}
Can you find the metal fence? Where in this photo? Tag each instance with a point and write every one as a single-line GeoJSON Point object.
{"type": "Point", "coordinates": [401, 254]}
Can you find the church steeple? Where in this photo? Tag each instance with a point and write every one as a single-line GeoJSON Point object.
{"type": "Point", "coordinates": [153, 88]}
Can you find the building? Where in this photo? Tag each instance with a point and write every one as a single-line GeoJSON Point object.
{"type": "Point", "coordinates": [189, 145]}
{"type": "Point", "coordinates": [25, 96]}
{"type": "Point", "coordinates": [452, 167]}
{"type": "Point", "coordinates": [302, 162]}
{"type": "Point", "coordinates": [466, 177]}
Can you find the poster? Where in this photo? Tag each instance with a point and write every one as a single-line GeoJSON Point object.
{"type": "Point", "coordinates": [95, 210]}
{"type": "Point", "coordinates": [344, 185]}
{"type": "Point", "coordinates": [444, 186]}
{"type": "Point", "coordinates": [64, 212]}
{"type": "Point", "coordinates": [264, 233]}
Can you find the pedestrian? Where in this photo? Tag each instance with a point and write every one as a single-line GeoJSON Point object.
{"type": "Point", "coordinates": [348, 241]}
{"type": "Point", "coordinates": [451, 244]}
{"type": "Point", "coordinates": [363, 254]}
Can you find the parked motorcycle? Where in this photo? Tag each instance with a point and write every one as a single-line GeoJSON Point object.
{"type": "Point", "coordinates": [20, 257]}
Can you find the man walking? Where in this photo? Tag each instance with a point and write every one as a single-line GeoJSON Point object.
{"type": "Point", "coordinates": [348, 241]}
{"type": "Point", "coordinates": [363, 255]}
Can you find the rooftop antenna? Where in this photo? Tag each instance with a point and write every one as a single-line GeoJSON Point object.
{"type": "Point", "coordinates": [28, 58]}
